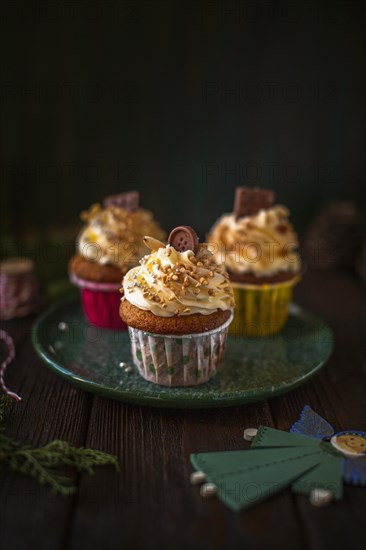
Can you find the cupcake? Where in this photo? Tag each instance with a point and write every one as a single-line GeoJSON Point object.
{"type": "Point", "coordinates": [178, 306]}
{"type": "Point", "coordinates": [259, 248]}
{"type": "Point", "coordinates": [110, 243]}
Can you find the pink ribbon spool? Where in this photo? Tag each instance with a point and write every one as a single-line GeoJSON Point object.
{"type": "Point", "coordinates": [19, 288]}
{"type": "Point", "coordinates": [11, 354]}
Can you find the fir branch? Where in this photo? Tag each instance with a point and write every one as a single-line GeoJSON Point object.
{"type": "Point", "coordinates": [42, 463]}
{"type": "Point", "coordinates": [25, 462]}
{"type": "Point", "coordinates": [82, 459]}
{"type": "Point", "coordinates": [7, 445]}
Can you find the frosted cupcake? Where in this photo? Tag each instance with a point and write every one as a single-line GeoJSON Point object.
{"type": "Point", "coordinates": [178, 306]}
{"type": "Point", "coordinates": [259, 248]}
{"type": "Point", "coordinates": [110, 243]}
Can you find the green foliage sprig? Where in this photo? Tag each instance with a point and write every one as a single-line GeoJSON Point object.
{"type": "Point", "coordinates": [43, 463]}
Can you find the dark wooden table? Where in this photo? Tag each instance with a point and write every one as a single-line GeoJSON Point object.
{"type": "Point", "coordinates": [151, 504]}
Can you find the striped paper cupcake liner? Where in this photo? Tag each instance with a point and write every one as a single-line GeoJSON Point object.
{"type": "Point", "coordinates": [187, 360]}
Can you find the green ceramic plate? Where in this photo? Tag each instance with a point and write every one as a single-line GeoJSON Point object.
{"type": "Point", "coordinates": [254, 369]}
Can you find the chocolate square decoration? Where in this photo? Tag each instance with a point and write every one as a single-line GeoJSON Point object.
{"type": "Point", "coordinates": [128, 201]}
{"type": "Point", "coordinates": [249, 201]}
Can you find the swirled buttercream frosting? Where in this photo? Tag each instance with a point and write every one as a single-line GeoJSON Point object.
{"type": "Point", "coordinates": [263, 244]}
{"type": "Point", "coordinates": [114, 236]}
{"type": "Point", "coordinates": [168, 282]}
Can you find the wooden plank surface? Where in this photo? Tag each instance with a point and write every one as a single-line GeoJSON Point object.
{"type": "Point", "coordinates": [151, 503]}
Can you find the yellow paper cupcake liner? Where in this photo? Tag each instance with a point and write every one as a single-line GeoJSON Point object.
{"type": "Point", "coordinates": [261, 310]}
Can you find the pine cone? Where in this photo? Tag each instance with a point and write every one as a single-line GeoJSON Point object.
{"type": "Point", "coordinates": [334, 239]}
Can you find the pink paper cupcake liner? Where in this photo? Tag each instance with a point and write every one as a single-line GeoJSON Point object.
{"type": "Point", "coordinates": [101, 302]}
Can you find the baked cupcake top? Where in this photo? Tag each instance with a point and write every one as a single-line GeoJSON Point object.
{"type": "Point", "coordinates": [257, 238]}
{"type": "Point", "coordinates": [113, 235]}
{"type": "Point", "coordinates": [172, 280]}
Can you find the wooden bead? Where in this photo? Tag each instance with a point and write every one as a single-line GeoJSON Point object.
{"type": "Point", "coordinates": [208, 490]}
{"type": "Point", "coordinates": [321, 497]}
{"type": "Point", "coordinates": [197, 478]}
{"type": "Point", "coordinates": [250, 433]}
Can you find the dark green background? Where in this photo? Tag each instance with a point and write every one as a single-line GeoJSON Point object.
{"type": "Point", "coordinates": [181, 100]}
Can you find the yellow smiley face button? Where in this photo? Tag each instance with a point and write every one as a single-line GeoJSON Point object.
{"type": "Point", "coordinates": [350, 443]}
